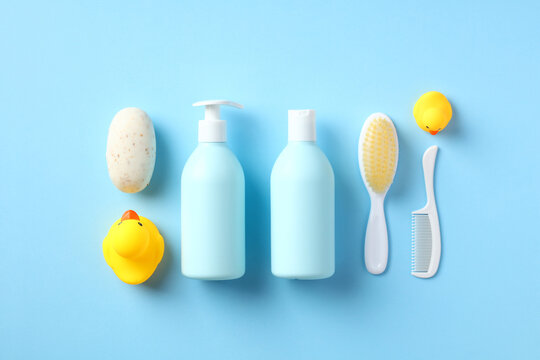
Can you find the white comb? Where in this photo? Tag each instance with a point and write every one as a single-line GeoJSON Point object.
{"type": "Point", "coordinates": [426, 234]}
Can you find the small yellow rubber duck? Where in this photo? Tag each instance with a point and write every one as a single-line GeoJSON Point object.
{"type": "Point", "coordinates": [432, 112]}
{"type": "Point", "coordinates": [133, 248]}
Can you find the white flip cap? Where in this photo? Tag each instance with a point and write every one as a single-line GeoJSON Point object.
{"type": "Point", "coordinates": [302, 125]}
{"type": "Point", "coordinates": [212, 128]}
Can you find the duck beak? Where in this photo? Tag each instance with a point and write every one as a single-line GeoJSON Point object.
{"type": "Point", "coordinates": [433, 132]}
{"type": "Point", "coordinates": [130, 215]}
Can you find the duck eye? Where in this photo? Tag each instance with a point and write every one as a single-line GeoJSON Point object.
{"type": "Point", "coordinates": [440, 129]}
{"type": "Point", "coordinates": [139, 224]}
{"type": "Point", "coordinates": [427, 127]}
{"type": "Point", "coordinates": [119, 223]}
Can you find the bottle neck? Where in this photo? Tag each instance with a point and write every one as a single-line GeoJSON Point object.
{"type": "Point", "coordinates": [213, 144]}
{"type": "Point", "coordinates": [212, 131]}
{"type": "Point", "coordinates": [300, 142]}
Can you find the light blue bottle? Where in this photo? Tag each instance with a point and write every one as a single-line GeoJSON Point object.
{"type": "Point", "coordinates": [213, 204]}
{"type": "Point", "coordinates": [302, 205]}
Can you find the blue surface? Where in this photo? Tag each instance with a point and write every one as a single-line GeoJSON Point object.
{"type": "Point", "coordinates": [66, 68]}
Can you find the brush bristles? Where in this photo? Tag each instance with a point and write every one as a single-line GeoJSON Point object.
{"type": "Point", "coordinates": [421, 242]}
{"type": "Point", "coordinates": [379, 154]}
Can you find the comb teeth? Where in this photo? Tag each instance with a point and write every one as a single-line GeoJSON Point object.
{"type": "Point", "coordinates": [421, 242]}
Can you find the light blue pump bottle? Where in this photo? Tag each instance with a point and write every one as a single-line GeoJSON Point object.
{"type": "Point", "coordinates": [302, 205]}
{"type": "Point", "coordinates": [213, 204]}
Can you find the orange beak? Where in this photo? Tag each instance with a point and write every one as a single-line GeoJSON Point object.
{"type": "Point", "coordinates": [130, 215]}
{"type": "Point", "coordinates": [433, 132]}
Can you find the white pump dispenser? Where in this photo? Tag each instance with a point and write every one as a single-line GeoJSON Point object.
{"type": "Point", "coordinates": [212, 128]}
{"type": "Point", "coordinates": [212, 203]}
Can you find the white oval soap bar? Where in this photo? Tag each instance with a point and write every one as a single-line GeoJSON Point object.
{"type": "Point", "coordinates": [131, 150]}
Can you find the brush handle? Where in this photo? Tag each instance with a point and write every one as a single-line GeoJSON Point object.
{"type": "Point", "coordinates": [376, 246]}
{"type": "Point", "coordinates": [428, 161]}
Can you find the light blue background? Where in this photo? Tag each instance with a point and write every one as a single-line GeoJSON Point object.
{"type": "Point", "coordinates": [66, 68]}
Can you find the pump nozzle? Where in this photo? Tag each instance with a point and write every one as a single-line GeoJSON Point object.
{"type": "Point", "coordinates": [212, 128]}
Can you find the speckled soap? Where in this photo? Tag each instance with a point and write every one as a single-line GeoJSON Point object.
{"type": "Point", "coordinates": [131, 150]}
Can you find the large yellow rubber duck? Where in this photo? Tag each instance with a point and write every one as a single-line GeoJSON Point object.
{"type": "Point", "coordinates": [432, 112]}
{"type": "Point", "coordinates": [133, 248]}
